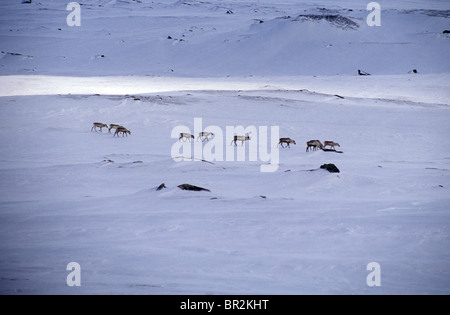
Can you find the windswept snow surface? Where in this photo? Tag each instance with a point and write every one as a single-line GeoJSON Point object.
{"type": "Point", "coordinates": [71, 195]}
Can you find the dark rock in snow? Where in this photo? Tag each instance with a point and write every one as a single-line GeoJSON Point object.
{"type": "Point", "coordinates": [362, 72]}
{"type": "Point", "coordinates": [161, 187]}
{"type": "Point", "coordinates": [192, 188]}
{"type": "Point", "coordinates": [330, 168]}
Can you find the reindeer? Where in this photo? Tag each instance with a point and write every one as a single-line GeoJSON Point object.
{"type": "Point", "coordinates": [314, 144]}
{"type": "Point", "coordinates": [113, 126]}
{"type": "Point", "coordinates": [331, 144]}
{"type": "Point", "coordinates": [240, 138]}
{"type": "Point", "coordinates": [122, 130]}
{"type": "Point", "coordinates": [204, 135]}
{"type": "Point", "coordinates": [185, 137]}
{"type": "Point", "coordinates": [98, 125]}
{"type": "Point", "coordinates": [287, 141]}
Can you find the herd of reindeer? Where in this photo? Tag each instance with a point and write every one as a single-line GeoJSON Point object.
{"type": "Point", "coordinates": [119, 129]}
{"type": "Point", "coordinates": [284, 142]}
{"type": "Point", "coordinates": [313, 145]}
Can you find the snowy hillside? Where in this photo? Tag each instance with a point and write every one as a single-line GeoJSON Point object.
{"type": "Point", "coordinates": [199, 38]}
{"type": "Point", "coordinates": [69, 194]}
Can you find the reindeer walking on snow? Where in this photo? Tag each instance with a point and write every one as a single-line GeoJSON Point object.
{"type": "Point", "coordinates": [314, 144]}
{"type": "Point", "coordinates": [204, 136]}
{"type": "Point", "coordinates": [287, 141]}
{"type": "Point", "coordinates": [240, 138]}
{"type": "Point", "coordinates": [98, 125]}
{"type": "Point", "coordinates": [330, 144]}
{"type": "Point", "coordinates": [185, 136]}
{"type": "Point", "coordinates": [123, 130]}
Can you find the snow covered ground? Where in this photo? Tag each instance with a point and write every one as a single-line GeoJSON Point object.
{"type": "Point", "coordinates": [71, 195]}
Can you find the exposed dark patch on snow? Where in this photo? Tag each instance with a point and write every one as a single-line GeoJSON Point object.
{"type": "Point", "coordinates": [334, 19]}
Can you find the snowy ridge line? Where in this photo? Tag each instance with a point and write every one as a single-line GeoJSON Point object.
{"type": "Point", "coordinates": [79, 165]}
{"type": "Point", "coordinates": [196, 159]}
{"type": "Point", "coordinates": [431, 88]}
{"type": "Point", "coordinates": [334, 96]}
